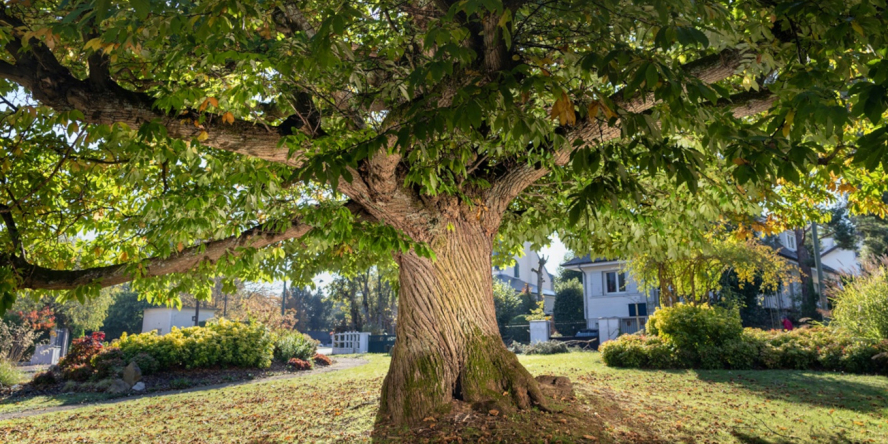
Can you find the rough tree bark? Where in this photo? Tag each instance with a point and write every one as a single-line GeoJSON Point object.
{"type": "Point", "coordinates": [449, 347]}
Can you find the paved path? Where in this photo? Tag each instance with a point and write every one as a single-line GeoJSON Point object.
{"type": "Point", "coordinates": [340, 364]}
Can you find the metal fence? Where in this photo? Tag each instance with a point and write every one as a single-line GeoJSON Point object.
{"type": "Point", "coordinates": [381, 343]}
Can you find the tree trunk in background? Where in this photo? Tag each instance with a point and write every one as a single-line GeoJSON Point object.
{"type": "Point", "coordinates": [809, 297]}
{"type": "Point", "coordinates": [448, 345]}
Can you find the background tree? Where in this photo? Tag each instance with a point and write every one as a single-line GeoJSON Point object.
{"type": "Point", "coordinates": [125, 314]}
{"type": "Point", "coordinates": [206, 139]}
{"type": "Point", "coordinates": [568, 312]}
{"type": "Point", "coordinates": [695, 278]}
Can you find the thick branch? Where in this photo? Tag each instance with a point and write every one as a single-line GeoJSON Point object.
{"type": "Point", "coordinates": [510, 185]}
{"type": "Point", "coordinates": [54, 85]}
{"type": "Point", "coordinates": [37, 277]}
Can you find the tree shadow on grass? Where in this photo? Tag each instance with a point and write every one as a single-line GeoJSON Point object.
{"type": "Point", "coordinates": [822, 389]}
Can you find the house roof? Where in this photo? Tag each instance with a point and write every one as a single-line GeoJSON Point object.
{"type": "Point", "coordinates": [586, 260]}
{"type": "Point", "coordinates": [184, 308]}
{"type": "Point", "coordinates": [781, 251]}
{"type": "Point", "coordinates": [794, 256]}
{"type": "Point", "coordinates": [518, 284]}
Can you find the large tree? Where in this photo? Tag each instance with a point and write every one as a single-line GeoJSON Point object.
{"type": "Point", "coordinates": [167, 143]}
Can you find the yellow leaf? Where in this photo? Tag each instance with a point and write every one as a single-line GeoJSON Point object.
{"type": "Point", "coordinates": [213, 101]}
{"type": "Point", "coordinates": [563, 109]}
{"type": "Point", "coordinates": [180, 247]}
{"type": "Point", "coordinates": [94, 44]}
{"type": "Point", "coordinates": [593, 110]}
{"type": "Point", "coordinates": [228, 118]}
{"type": "Point", "coordinates": [123, 257]}
{"type": "Point", "coordinates": [787, 125]}
{"type": "Point", "coordinates": [203, 136]}
{"type": "Point", "coordinates": [857, 27]}
{"type": "Point", "coordinates": [204, 105]}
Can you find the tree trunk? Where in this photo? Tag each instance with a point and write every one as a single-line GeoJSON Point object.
{"type": "Point", "coordinates": [449, 346]}
{"type": "Point", "coordinates": [809, 299]}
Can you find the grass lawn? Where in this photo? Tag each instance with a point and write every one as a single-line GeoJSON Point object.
{"type": "Point", "coordinates": [613, 405]}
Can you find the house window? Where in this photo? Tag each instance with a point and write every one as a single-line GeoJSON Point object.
{"type": "Point", "coordinates": [615, 282]}
{"type": "Point", "coordinates": [638, 310]}
{"type": "Point", "coordinates": [517, 274]}
{"type": "Point", "coordinates": [790, 241]}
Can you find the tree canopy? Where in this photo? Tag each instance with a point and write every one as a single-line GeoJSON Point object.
{"type": "Point", "coordinates": [168, 143]}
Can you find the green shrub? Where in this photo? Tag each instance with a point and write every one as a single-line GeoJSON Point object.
{"type": "Point", "coordinates": [108, 362]}
{"type": "Point", "coordinates": [861, 305]}
{"type": "Point", "coordinates": [808, 348]}
{"type": "Point", "coordinates": [44, 379]}
{"type": "Point", "coordinates": [568, 308]}
{"type": "Point", "coordinates": [626, 351]}
{"type": "Point", "coordinates": [742, 354]}
{"type": "Point", "coordinates": [220, 343]}
{"type": "Point", "coordinates": [147, 364]}
{"type": "Point", "coordinates": [689, 327]}
{"type": "Point", "coordinates": [9, 374]}
{"type": "Point", "coordinates": [289, 344]}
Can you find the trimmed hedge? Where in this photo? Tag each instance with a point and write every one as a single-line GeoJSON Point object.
{"type": "Point", "coordinates": [818, 348]}
{"type": "Point", "coordinates": [220, 343]}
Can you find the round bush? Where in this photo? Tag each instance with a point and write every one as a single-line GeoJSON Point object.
{"type": "Point", "coordinates": [108, 362]}
{"type": "Point", "coordinates": [292, 344]}
{"type": "Point", "coordinates": [147, 364]}
{"type": "Point", "coordinates": [688, 327]}
{"type": "Point", "coordinates": [625, 351]}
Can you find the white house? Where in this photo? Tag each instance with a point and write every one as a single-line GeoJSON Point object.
{"type": "Point", "coordinates": [834, 260]}
{"type": "Point", "coordinates": [163, 319]}
{"type": "Point", "coordinates": [614, 304]}
{"type": "Point", "coordinates": [612, 300]}
{"type": "Point", "coordinates": [521, 274]}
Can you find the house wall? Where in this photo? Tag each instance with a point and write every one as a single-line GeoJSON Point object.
{"type": "Point", "coordinates": [166, 318]}
{"type": "Point", "coordinates": [156, 318]}
{"type": "Point", "coordinates": [598, 304]}
{"type": "Point", "coordinates": [182, 319]}
{"type": "Point", "coordinates": [842, 260]}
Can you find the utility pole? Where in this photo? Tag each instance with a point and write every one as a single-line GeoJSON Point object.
{"type": "Point", "coordinates": [820, 287]}
{"type": "Point", "coordinates": [284, 299]}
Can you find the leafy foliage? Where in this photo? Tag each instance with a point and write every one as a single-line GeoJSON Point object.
{"type": "Point", "coordinates": [692, 327]}
{"type": "Point", "coordinates": [108, 363]}
{"type": "Point", "coordinates": [800, 349]}
{"type": "Point", "coordinates": [292, 344]}
{"type": "Point", "coordinates": [860, 306]}
{"type": "Point", "coordinates": [124, 314]}
{"type": "Point", "coordinates": [220, 343]}
{"type": "Point", "coordinates": [10, 374]}
{"type": "Point", "coordinates": [78, 362]}
{"type": "Point", "coordinates": [568, 303]}
{"type": "Point", "coordinates": [699, 274]}
{"type": "Point", "coordinates": [16, 338]}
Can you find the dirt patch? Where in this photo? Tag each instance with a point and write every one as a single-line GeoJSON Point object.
{"type": "Point", "coordinates": [585, 418]}
{"type": "Point", "coordinates": [165, 384]}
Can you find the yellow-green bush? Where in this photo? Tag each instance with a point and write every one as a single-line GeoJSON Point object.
{"type": "Point", "coordinates": [690, 327]}
{"type": "Point", "coordinates": [220, 343]}
{"type": "Point", "coordinates": [818, 348]}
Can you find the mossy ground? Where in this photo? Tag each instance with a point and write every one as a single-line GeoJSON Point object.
{"type": "Point", "coordinates": [612, 405]}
